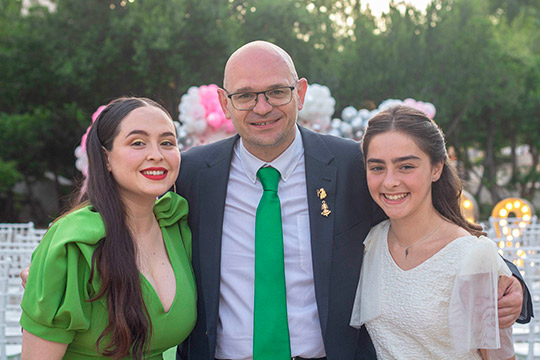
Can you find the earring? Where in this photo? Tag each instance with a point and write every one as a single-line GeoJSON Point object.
{"type": "Point", "coordinates": [174, 187]}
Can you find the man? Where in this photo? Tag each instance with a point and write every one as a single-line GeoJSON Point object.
{"type": "Point", "coordinates": [326, 212]}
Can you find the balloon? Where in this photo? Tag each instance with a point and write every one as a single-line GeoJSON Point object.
{"type": "Point", "coordinates": [202, 118]}
{"type": "Point", "coordinates": [349, 113]}
{"type": "Point", "coordinates": [354, 122]}
{"type": "Point", "coordinates": [318, 108]}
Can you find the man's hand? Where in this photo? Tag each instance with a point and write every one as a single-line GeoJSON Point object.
{"type": "Point", "coordinates": [510, 296]}
{"type": "Point", "coordinates": [24, 276]}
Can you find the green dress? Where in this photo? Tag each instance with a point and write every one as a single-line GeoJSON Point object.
{"type": "Point", "coordinates": [55, 305]}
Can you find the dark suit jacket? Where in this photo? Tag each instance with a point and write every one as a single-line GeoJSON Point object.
{"type": "Point", "coordinates": [331, 163]}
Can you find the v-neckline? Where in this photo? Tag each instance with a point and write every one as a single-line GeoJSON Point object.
{"type": "Point", "coordinates": [174, 268]}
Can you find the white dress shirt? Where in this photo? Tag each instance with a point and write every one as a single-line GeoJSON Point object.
{"type": "Point", "coordinates": [244, 191]}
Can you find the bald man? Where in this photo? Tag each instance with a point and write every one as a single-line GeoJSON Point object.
{"type": "Point", "coordinates": [262, 94]}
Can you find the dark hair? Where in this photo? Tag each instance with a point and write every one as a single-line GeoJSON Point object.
{"type": "Point", "coordinates": [430, 139]}
{"type": "Point", "coordinates": [129, 325]}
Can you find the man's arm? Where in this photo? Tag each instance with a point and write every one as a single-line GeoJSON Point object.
{"type": "Point", "coordinates": [182, 350]}
{"type": "Point", "coordinates": [514, 299]}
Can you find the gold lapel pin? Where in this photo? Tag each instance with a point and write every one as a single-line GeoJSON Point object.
{"type": "Point", "coordinates": [321, 194]}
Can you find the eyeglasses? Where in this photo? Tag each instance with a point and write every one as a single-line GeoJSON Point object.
{"type": "Point", "coordinates": [244, 101]}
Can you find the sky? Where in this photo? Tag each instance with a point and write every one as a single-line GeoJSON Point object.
{"type": "Point", "coordinates": [379, 6]}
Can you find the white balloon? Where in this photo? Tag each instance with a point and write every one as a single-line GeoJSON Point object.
{"type": "Point", "coordinates": [199, 127]}
{"type": "Point", "coordinates": [386, 104]}
{"type": "Point", "coordinates": [346, 129]}
{"type": "Point", "coordinates": [364, 113]}
{"type": "Point", "coordinates": [357, 123]}
{"type": "Point", "coordinates": [82, 164]}
{"type": "Point", "coordinates": [336, 123]}
{"type": "Point", "coordinates": [325, 124]}
{"type": "Point", "coordinates": [334, 132]}
{"type": "Point", "coordinates": [349, 113]}
{"type": "Point", "coordinates": [78, 152]}
{"type": "Point", "coordinates": [372, 113]}
{"type": "Point", "coordinates": [318, 108]}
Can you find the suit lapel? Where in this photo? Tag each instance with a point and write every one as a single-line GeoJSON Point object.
{"type": "Point", "coordinates": [212, 193]}
{"type": "Point", "coordinates": [320, 174]}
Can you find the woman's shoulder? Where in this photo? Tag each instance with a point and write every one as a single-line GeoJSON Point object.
{"type": "Point", "coordinates": [75, 234]}
{"type": "Point", "coordinates": [376, 233]}
{"type": "Point", "coordinates": [171, 208]}
{"type": "Point", "coordinates": [380, 226]}
{"type": "Point", "coordinates": [83, 225]}
{"type": "Point", "coordinates": [480, 254]}
{"type": "Point", "coordinates": [470, 242]}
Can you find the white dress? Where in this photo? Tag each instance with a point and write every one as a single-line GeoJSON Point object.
{"type": "Point", "coordinates": [410, 318]}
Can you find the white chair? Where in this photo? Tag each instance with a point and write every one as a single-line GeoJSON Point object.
{"type": "Point", "coordinates": [11, 235]}
{"type": "Point", "coordinates": [39, 232]}
{"type": "Point", "coordinates": [30, 239]}
{"type": "Point", "coordinates": [19, 259]}
{"type": "Point", "coordinates": [4, 276]}
{"type": "Point", "coordinates": [18, 228]}
{"type": "Point", "coordinates": [527, 336]}
{"type": "Point", "coordinates": [6, 235]}
{"type": "Point", "coordinates": [531, 235]}
{"type": "Point", "coordinates": [8, 349]}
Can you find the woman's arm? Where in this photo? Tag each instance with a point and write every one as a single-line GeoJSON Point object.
{"type": "Point", "coordinates": [36, 348]}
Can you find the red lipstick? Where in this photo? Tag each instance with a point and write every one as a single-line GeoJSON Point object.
{"type": "Point", "coordinates": [154, 173]}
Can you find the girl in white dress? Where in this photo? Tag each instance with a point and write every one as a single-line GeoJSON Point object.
{"type": "Point", "coordinates": [428, 287]}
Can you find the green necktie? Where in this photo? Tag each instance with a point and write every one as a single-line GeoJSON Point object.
{"type": "Point", "coordinates": [270, 325]}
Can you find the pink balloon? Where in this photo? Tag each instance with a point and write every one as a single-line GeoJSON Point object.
{"type": "Point", "coordinates": [229, 126]}
{"type": "Point", "coordinates": [426, 107]}
{"type": "Point", "coordinates": [409, 102]}
{"type": "Point", "coordinates": [430, 110]}
{"type": "Point", "coordinates": [209, 99]}
{"type": "Point", "coordinates": [214, 120]}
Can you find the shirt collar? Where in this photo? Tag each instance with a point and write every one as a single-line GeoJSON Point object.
{"type": "Point", "coordinates": [284, 163]}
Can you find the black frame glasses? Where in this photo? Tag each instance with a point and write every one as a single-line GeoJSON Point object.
{"type": "Point", "coordinates": [254, 96]}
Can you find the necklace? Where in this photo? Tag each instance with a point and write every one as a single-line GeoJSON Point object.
{"type": "Point", "coordinates": [407, 248]}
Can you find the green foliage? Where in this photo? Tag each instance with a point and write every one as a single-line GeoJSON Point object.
{"type": "Point", "coordinates": [42, 140]}
{"type": "Point", "coordinates": [477, 61]}
{"type": "Point", "coordinates": [8, 175]}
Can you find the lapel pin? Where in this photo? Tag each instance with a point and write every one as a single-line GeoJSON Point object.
{"type": "Point", "coordinates": [321, 194]}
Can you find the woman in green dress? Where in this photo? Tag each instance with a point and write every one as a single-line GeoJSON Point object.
{"type": "Point", "coordinates": [112, 278]}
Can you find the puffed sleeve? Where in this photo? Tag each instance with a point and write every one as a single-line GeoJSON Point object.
{"type": "Point", "coordinates": [473, 316]}
{"type": "Point", "coordinates": [55, 304]}
{"type": "Point", "coordinates": [172, 209]}
{"type": "Point", "coordinates": [367, 302]}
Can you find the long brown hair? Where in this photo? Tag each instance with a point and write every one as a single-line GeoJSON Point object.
{"type": "Point", "coordinates": [129, 326]}
{"type": "Point", "coordinates": [430, 139]}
